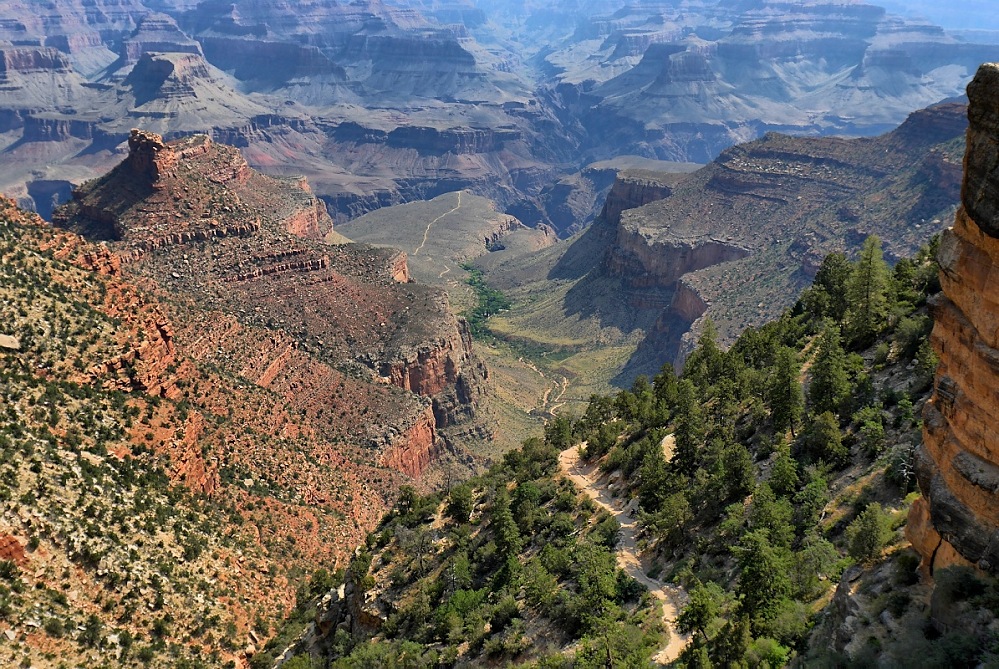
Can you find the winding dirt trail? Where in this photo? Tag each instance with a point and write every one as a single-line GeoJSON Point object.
{"type": "Point", "coordinates": [587, 477]}
{"type": "Point", "coordinates": [426, 233]}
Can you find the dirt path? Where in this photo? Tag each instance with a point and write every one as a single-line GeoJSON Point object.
{"type": "Point", "coordinates": [426, 233]}
{"type": "Point", "coordinates": [548, 403]}
{"type": "Point", "coordinates": [587, 477]}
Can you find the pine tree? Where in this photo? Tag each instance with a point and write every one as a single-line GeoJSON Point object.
{"type": "Point", "coordinates": [689, 429]}
{"type": "Point", "coordinates": [508, 541]}
{"type": "Point", "coordinates": [784, 473]}
{"type": "Point", "coordinates": [830, 386]}
{"type": "Point", "coordinates": [827, 298]}
{"type": "Point", "coordinates": [869, 533]}
{"type": "Point", "coordinates": [822, 440]}
{"type": "Point", "coordinates": [868, 294]}
{"type": "Point", "coordinates": [764, 583]}
{"type": "Point", "coordinates": [705, 362]}
{"type": "Point", "coordinates": [784, 395]}
{"type": "Point", "coordinates": [701, 610]}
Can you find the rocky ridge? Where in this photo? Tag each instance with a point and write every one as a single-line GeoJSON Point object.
{"type": "Point", "coordinates": [957, 519]}
{"type": "Point", "coordinates": [192, 216]}
{"type": "Point", "coordinates": [502, 101]}
{"type": "Point", "coordinates": [765, 213]}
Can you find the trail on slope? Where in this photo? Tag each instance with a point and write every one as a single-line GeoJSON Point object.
{"type": "Point", "coordinates": [426, 233]}
{"type": "Point", "coordinates": [588, 478]}
{"type": "Point", "coordinates": [549, 404]}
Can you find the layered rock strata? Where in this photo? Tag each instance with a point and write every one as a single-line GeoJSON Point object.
{"type": "Point", "coordinates": [739, 239]}
{"type": "Point", "coordinates": [957, 519]}
{"type": "Point", "coordinates": [193, 217]}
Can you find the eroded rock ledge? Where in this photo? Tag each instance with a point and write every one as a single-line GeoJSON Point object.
{"type": "Point", "coordinates": [957, 519]}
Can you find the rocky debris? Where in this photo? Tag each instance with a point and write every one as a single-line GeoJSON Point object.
{"type": "Point", "coordinates": [11, 549]}
{"type": "Point", "coordinates": [957, 521]}
{"type": "Point", "coordinates": [351, 609]}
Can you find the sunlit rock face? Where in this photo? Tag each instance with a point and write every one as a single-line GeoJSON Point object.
{"type": "Point", "coordinates": [957, 520]}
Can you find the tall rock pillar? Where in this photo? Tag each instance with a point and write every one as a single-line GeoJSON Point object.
{"type": "Point", "coordinates": [957, 519]}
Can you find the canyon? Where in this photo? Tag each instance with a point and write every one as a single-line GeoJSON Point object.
{"type": "Point", "coordinates": [380, 103]}
{"type": "Point", "coordinates": [296, 384]}
{"type": "Point", "coordinates": [737, 241]}
{"type": "Point", "coordinates": [734, 243]}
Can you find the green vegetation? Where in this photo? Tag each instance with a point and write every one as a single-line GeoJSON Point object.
{"type": "Point", "coordinates": [518, 567]}
{"type": "Point", "coordinates": [124, 565]}
{"type": "Point", "coordinates": [742, 510]}
{"type": "Point", "coordinates": [488, 301]}
{"type": "Point", "coordinates": [757, 483]}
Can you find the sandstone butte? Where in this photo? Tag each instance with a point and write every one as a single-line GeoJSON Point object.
{"type": "Point", "coordinates": [193, 217]}
{"type": "Point", "coordinates": [956, 521]}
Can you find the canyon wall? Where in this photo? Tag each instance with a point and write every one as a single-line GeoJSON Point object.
{"type": "Point", "coordinates": [957, 519]}
{"type": "Point", "coordinates": [632, 190]}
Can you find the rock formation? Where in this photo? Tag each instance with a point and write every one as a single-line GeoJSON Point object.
{"type": "Point", "coordinates": [380, 104]}
{"type": "Point", "coordinates": [194, 217]}
{"type": "Point", "coordinates": [957, 519]}
{"type": "Point", "coordinates": [293, 456]}
{"type": "Point", "coordinates": [737, 240]}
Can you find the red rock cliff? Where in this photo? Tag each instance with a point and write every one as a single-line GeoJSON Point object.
{"type": "Point", "coordinates": [957, 519]}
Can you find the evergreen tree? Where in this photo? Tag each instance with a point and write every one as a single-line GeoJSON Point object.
{"type": "Point", "coordinates": [738, 471]}
{"type": "Point", "coordinates": [772, 515]}
{"type": "Point", "coordinates": [784, 473]}
{"type": "Point", "coordinates": [704, 364]}
{"type": "Point", "coordinates": [784, 395]}
{"type": "Point", "coordinates": [869, 533]}
{"type": "Point", "coordinates": [689, 429]}
{"type": "Point", "coordinates": [732, 643]}
{"type": "Point", "coordinates": [830, 385]}
{"type": "Point", "coordinates": [764, 583]}
{"type": "Point", "coordinates": [868, 294]}
{"type": "Point", "coordinates": [822, 440]}
{"type": "Point", "coordinates": [460, 503]}
{"type": "Point", "coordinates": [637, 404]}
{"type": "Point", "coordinates": [827, 298]}
{"type": "Point", "coordinates": [508, 541]}
{"type": "Point", "coordinates": [701, 610]}
{"type": "Point", "coordinates": [654, 475]}
{"type": "Point", "coordinates": [665, 387]}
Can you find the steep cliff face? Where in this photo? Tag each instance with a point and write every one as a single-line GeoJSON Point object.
{"type": "Point", "coordinates": [155, 33]}
{"type": "Point", "coordinates": [739, 239]}
{"type": "Point", "coordinates": [646, 262]}
{"type": "Point", "coordinates": [957, 520]}
{"type": "Point", "coordinates": [416, 449]}
{"type": "Point", "coordinates": [632, 190]}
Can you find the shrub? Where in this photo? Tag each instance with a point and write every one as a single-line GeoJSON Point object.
{"type": "Point", "coordinates": [869, 533]}
{"type": "Point", "coordinates": [54, 627]}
